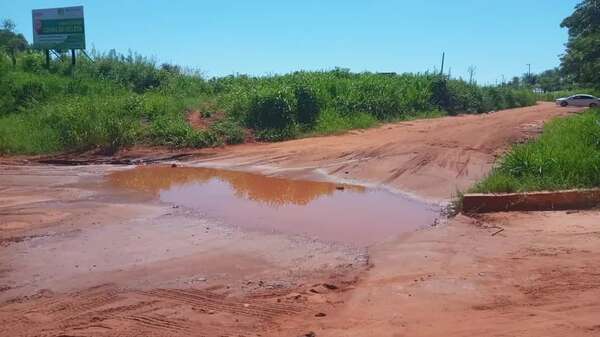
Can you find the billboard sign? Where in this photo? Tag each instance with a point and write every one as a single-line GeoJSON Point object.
{"type": "Point", "coordinates": [58, 28]}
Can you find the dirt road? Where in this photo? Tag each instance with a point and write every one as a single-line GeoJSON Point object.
{"type": "Point", "coordinates": [78, 259]}
{"type": "Point", "coordinates": [431, 158]}
{"type": "Point", "coordinates": [538, 276]}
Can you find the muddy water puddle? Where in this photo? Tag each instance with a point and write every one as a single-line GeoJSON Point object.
{"type": "Point", "coordinates": [326, 211]}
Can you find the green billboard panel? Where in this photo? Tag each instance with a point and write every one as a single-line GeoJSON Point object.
{"type": "Point", "coordinates": [58, 28]}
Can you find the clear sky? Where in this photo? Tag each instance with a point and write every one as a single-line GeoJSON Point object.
{"type": "Point", "coordinates": [259, 37]}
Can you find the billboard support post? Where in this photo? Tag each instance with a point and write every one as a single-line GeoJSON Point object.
{"type": "Point", "coordinates": [47, 52]}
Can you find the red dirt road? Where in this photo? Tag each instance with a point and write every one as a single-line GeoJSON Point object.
{"type": "Point", "coordinates": [76, 260]}
{"type": "Point", "coordinates": [505, 274]}
{"type": "Point", "coordinates": [431, 158]}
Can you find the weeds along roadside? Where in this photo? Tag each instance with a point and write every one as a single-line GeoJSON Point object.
{"type": "Point", "coordinates": [117, 101]}
{"type": "Point", "coordinates": [565, 156]}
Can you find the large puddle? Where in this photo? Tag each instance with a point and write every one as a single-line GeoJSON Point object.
{"type": "Point", "coordinates": [326, 211]}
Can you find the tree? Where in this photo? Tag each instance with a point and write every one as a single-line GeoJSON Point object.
{"type": "Point", "coordinates": [516, 81]}
{"type": "Point", "coordinates": [550, 80]}
{"type": "Point", "coordinates": [11, 42]}
{"type": "Point", "coordinates": [582, 57]}
{"type": "Point", "coordinates": [529, 79]}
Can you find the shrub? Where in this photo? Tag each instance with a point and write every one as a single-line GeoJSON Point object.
{"type": "Point", "coordinates": [118, 133]}
{"type": "Point", "coordinates": [172, 131]}
{"type": "Point", "coordinates": [272, 109]}
{"type": "Point", "coordinates": [227, 131]}
{"type": "Point", "coordinates": [307, 104]}
{"type": "Point", "coordinates": [330, 122]}
{"type": "Point", "coordinates": [21, 89]}
{"type": "Point", "coordinates": [27, 134]}
{"type": "Point", "coordinates": [32, 62]}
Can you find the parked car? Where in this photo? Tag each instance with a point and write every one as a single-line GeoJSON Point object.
{"type": "Point", "coordinates": [579, 100]}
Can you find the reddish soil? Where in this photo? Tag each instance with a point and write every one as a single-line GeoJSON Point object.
{"type": "Point", "coordinates": [77, 259]}
{"type": "Point", "coordinates": [197, 121]}
{"type": "Point", "coordinates": [505, 274]}
{"type": "Point", "coordinates": [432, 158]}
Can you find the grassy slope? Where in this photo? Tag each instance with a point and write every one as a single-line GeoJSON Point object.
{"type": "Point", "coordinates": [567, 155]}
{"type": "Point", "coordinates": [118, 101]}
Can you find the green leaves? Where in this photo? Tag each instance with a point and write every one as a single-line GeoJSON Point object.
{"type": "Point", "coordinates": [567, 155]}
{"type": "Point", "coordinates": [582, 58]}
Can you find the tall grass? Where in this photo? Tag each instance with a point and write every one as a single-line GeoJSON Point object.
{"type": "Point", "coordinates": [120, 100]}
{"type": "Point", "coordinates": [287, 104]}
{"type": "Point", "coordinates": [567, 155]}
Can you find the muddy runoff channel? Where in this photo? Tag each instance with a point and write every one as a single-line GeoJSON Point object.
{"type": "Point", "coordinates": [338, 213]}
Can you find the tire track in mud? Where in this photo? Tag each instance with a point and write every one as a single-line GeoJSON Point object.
{"type": "Point", "coordinates": [251, 307]}
{"type": "Point", "coordinates": [108, 311]}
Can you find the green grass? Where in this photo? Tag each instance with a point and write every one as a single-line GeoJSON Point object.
{"type": "Point", "coordinates": [27, 135]}
{"type": "Point", "coordinates": [332, 122]}
{"type": "Point", "coordinates": [567, 155]}
{"type": "Point", "coordinates": [121, 100]}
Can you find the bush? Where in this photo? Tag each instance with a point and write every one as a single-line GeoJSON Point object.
{"type": "Point", "coordinates": [27, 134]}
{"type": "Point", "coordinates": [118, 133]}
{"type": "Point", "coordinates": [32, 62]}
{"type": "Point", "coordinates": [307, 104]}
{"type": "Point", "coordinates": [21, 89]}
{"type": "Point", "coordinates": [227, 131]}
{"type": "Point", "coordinates": [87, 123]}
{"type": "Point", "coordinates": [273, 109]}
{"type": "Point", "coordinates": [330, 122]}
{"type": "Point", "coordinates": [172, 131]}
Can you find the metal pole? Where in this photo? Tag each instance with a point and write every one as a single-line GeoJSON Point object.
{"type": "Point", "coordinates": [47, 51]}
{"type": "Point", "coordinates": [443, 59]}
{"type": "Point", "coordinates": [73, 57]}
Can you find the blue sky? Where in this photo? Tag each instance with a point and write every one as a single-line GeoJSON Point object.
{"type": "Point", "coordinates": [262, 37]}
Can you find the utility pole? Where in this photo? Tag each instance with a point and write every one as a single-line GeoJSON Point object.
{"type": "Point", "coordinates": [529, 79]}
{"type": "Point", "coordinates": [443, 59]}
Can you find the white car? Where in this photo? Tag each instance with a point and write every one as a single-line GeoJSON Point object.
{"type": "Point", "coordinates": [579, 100]}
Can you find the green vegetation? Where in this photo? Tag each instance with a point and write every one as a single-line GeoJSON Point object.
{"type": "Point", "coordinates": [567, 155]}
{"type": "Point", "coordinates": [553, 95]}
{"type": "Point", "coordinates": [582, 58]}
{"type": "Point", "coordinates": [117, 101]}
{"type": "Point", "coordinates": [580, 65]}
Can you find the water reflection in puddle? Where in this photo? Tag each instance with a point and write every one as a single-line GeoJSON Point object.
{"type": "Point", "coordinates": [331, 212]}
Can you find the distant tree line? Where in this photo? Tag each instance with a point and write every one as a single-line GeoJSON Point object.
{"type": "Point", "coordinates": [580, 65]}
